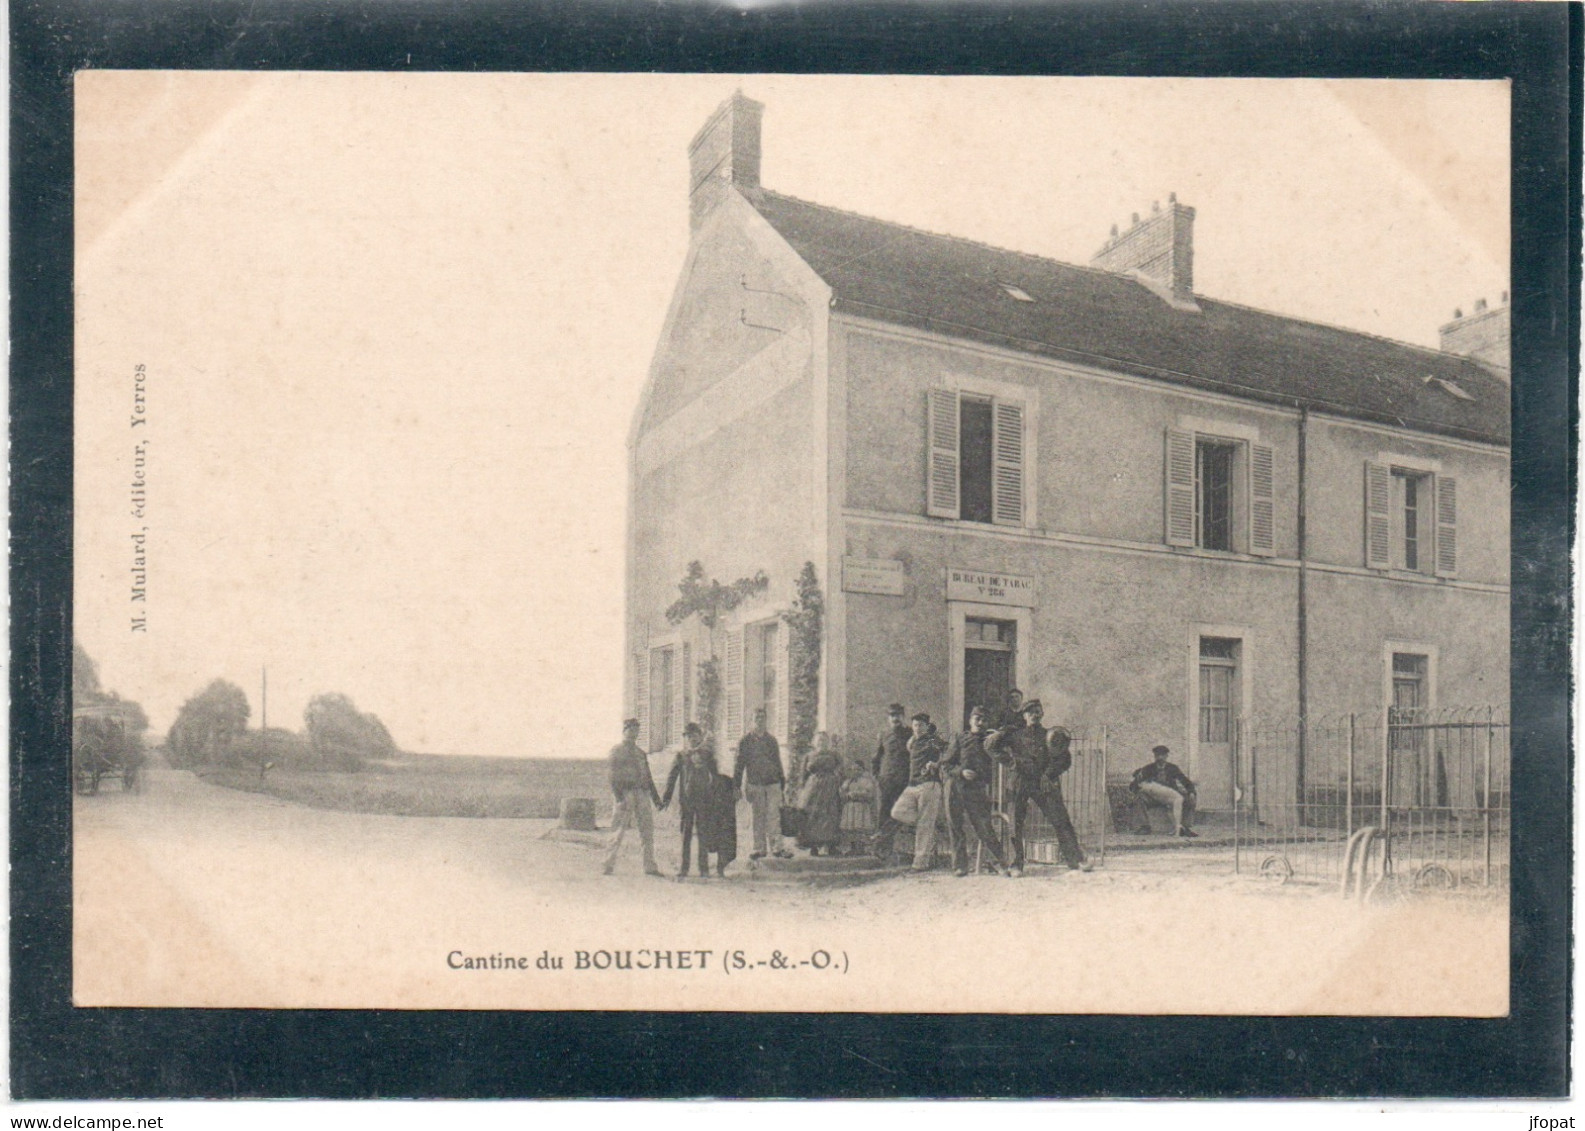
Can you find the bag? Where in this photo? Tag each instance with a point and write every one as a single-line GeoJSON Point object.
{"type": "Point", "coordinates": [792, 821]}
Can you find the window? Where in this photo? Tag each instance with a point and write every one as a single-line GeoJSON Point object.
{"type": "Point", "coordinates": [662, 688]}
{"type": "Point", "coordinates": [762, 642]}
{"type": "Point", "coordinates": [1411, 519]}
{"type": "Point", "coordinates": [1218, 688]}
{"type": "Point", "coordinates": [975, 469]}
{"type": "Point", "coordinates": [1220, 493]}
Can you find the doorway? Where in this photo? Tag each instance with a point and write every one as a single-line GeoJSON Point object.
{"type": "Point", "coordinates": [1219, 708]}
{"type": "Point", "coordinates": [989, 647]}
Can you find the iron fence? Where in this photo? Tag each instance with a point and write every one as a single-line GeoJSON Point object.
{"type": "Point", "coordinates": [1083, 794]}
{"type": "Point", "coordinates": [1432, 788]}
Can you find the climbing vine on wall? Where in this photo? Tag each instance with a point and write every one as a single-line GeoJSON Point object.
{"type": "Point", "coordinates": [805, 623]}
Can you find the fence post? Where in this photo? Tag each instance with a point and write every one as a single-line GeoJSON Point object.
{"type": "Point", "coordinates": [1106, 798]}
{"type": "Point", "coordinates": [1348, 802]}
{"type": "Point", "coordinates": [1238, 749]}
{"type": "Point", "coordinates": [1485, 807]}
{"type": "Point", "coordinates": [1386, 765]}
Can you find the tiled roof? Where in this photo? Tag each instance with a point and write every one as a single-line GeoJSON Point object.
{"type": "Point", "coordinates": [958, 287]}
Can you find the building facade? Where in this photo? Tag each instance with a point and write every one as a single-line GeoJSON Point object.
{"type": "Point", "coordinates": [1157, 512]}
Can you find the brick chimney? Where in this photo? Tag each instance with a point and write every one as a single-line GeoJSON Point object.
{"type": "Point", "coordinates": [1158, 250]}
{"type": "Point", "coordinates": [1483, 335]}
{"type": "Point", "coordinates": [725, 151]}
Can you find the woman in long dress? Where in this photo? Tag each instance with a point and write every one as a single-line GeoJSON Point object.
{"type": "Point", "coordinates": [821, 801]}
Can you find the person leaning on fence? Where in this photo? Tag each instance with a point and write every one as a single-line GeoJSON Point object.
{"type": "Point", "coordinates": [966, 771]}
{"type": "Point", "coordinates": [891, 774]}
{"type": "Point", "coordinates": [920, 804]}
{"type": "Point", "coordinates": [1036, 759]}
{"type": "Point", "coordinates": [636, 798]}
{"type": "Point", "coordinates": [1161, 782]}
{"type": "Point", "coordinates": [758, 775]}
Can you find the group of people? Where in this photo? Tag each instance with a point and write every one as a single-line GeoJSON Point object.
{"type": "Point", "coordinates": [920, 778]}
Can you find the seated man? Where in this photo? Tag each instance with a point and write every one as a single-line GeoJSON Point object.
{"type": "Point", "coordinates": [1162, 783]}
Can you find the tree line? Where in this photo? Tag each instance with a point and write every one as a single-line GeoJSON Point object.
{"type": "Point", "coordinates": [211, 729]}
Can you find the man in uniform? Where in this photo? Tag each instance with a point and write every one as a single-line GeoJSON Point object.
{"type": "Point", "coordinates": [1162, 782]}
{"type": "Point", "coordinates": [1036, 759]}
{"type": "Point", "coordinates": [891, 773]}
{"type": "Point", "coordinates": [636, 798]}
{"type": "Point", "coordinates": [758, 775]}
{"type": "Point", "coordinates": [967, 772]}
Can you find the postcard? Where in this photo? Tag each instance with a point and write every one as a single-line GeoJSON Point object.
{"type": "Point", "coordinates": [820, 543]}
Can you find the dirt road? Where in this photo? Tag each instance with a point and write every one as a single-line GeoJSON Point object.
{"type": "Point", "coordinates": [192, 895]}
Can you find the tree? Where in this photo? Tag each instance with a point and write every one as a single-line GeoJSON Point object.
{"type": "Point", "coordinates": [208, 724]}
{"type": "Point", "coordinates": [341, 736]}
{"type": "Point", "coordinates": [85, 675]}
{"type": "Point", "coordinates": [805, 624]}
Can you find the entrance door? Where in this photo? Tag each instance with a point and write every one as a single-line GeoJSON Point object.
{"type": "Point", "coordinates": [1213, 768]}
{"type": "Point", "coordinates": [987, 664]}
{"type": "Point", "coordinates": [1412, 779]}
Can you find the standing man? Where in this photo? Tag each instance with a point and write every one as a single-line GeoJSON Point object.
{"type": "Point", "coordinates": [1011, 716]}
{"type": "Point", "coordinates": [967, 771]}
{"type": "Point", "coordinates": [1162, 782]}
{"type": "Point", "coordinates": [636, 798]}
{"type": "Point", "coordinates": [922, 802]}
{"type": "Point", "coordinates": [891, 768]}
{"type": "Point", "coordinates": [757, 774]}
{"type": "Point", "coordinates": [1037, 759]}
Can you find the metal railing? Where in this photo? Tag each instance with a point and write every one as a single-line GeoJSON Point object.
{"type": "Point", "coordinates": [1083, 794]}
{"type": "Point", "coordinates": [1433, 785]}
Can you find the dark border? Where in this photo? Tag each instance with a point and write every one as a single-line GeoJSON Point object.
{"type": "Point", "coordinates": [61, 1052]}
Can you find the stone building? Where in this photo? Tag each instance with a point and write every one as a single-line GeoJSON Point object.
{"type": "Point", "coordinates": [1152, 509]}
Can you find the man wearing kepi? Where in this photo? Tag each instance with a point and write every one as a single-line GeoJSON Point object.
{"type": "Point", "coordinates": [636, 798]}
{"type": "Point", "coordinates": [891, 773]}
{"type": "Point", "coordinates": [967, 771]}
{"type": "Point", "coordinates": [1036, 759]}
{"type": "Point", "coordinates": [1162, 782]}
{"type": "Point", "coordinates": [758, 776]}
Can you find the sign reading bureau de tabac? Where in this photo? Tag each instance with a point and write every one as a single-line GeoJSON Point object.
{"type": "Point", "coordinates": [884, 576]}
{"type": "Point", "coordinates": [991, 588]}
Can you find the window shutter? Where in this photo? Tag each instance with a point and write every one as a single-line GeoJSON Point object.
{"type": "Point", "coordinates": [641, 695]}
{"type": "Point", "coordinates": [1180, 488]}
{"type": "Point", "coordinates": [941, 486]}
{"type": "Point", "coordinates": [1378, 515]}
{"type": "Point", "coordinates": [1446, 526]}
{"type": "Point", "coordinates": [678, 675]}
{"type": "Point", "coordinates": [1262, 504]}
{"type": "Point", "coordinates": [784, 681]}
{"type": "Point", "coordinates": [687, 683]}
{"type": "Point", "coordinates": [1007, 482]}
{"type": "Point", "coordinates": [734, 686]}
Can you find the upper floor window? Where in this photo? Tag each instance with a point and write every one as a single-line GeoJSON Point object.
{"type": "Point", "coordinates": [1411, 519]}
{"type": "Point", "coordinates": [975, 470]}
{"type": "Point", "coordinates": [1219, 493]}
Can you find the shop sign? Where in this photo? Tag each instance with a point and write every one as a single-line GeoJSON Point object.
{"type": "Point", "coordinates": [990, 588]}
{"type": "Point", "coordinates": [884, 576]}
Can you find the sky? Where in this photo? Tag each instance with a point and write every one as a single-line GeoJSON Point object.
{"type": "Point", "coordinates": [394, 328]}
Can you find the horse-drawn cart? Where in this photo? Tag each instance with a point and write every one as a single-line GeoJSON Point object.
{"type": "Point", "coordinates": [104, 745]}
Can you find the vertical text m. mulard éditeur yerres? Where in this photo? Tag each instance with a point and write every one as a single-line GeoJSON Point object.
{"type": "Point", "coordinates": [140, 534]}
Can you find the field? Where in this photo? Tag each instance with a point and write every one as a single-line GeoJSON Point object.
{"type": "Point", "coordinates": [435, 785]}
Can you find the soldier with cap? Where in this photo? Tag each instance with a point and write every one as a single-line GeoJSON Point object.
{"type": "Point", "coordinates": [891, 773]}
{"type": "Point", "coordinates": [1162, 782]}
{"type": "Point", "coordinates": [967, 769]}
{"type": "Point", "coordinates": [636, 798]}
{"type": "Point", "coordinates": [1036, 760]}
{"type": "Point", "coordinates": [758, 775]}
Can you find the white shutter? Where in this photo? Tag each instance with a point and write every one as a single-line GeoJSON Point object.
{"type": "Point", "coordinates": [687, 684]}
{"type": "Point", "coordinates": [1180, 488]}
{"type": "Point", "coordinates": [734, 687]}
{"type": "Point", "coordinates": [1378, 515]}
{"type": "Point", "coordinates": [1007, 480]}
{"type": "Point", "coordinates": [676, 706]}
{"type": "Point", "coordinates": [641, 695]}
{"type": "Point", "coordinates": [784, 679]}
{"type": "Point", "coordinates": [1262, 504]}
{"type": "Point", "coordinates": [1446, 526]}
{"type": "Point", "coordinates": [941, 471]}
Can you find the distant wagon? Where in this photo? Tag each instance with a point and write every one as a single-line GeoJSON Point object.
{"type": "Point", "coordinates": [104, 745]}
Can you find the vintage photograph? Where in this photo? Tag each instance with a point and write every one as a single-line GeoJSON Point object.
{"type": "Point", "coordinates": [791, 543]}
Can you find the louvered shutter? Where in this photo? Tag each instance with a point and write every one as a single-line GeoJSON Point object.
{"type": "Point", "coordinates": [1378, 515]}
{"type": "Point", "coordinates": [687, 683]}
{"type": "Point", "coordinates": [1007, 480]}
{"type": "Point", "coordinates": [641, 695]}
{"type": "Point", "coordinates": [678, 674]}
{"type": "Point", "coordinates": [941, 472]}
{"type": "Point", "coordinates": [1446, 526]}
{"type": "Point", "coordinates": [734, 686]}
{"type": "Point", "coordinates": [784, 682]}
{"type": "Point", "coordinates": [1180, 488]}
{"type": "Point", "coordinates": [1262, 504]}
